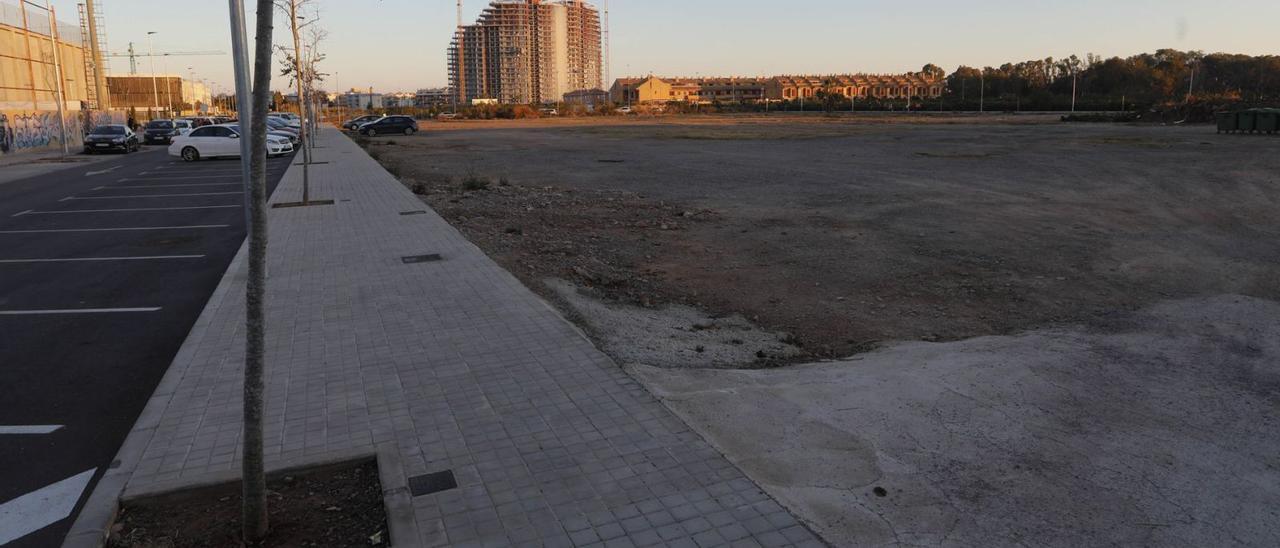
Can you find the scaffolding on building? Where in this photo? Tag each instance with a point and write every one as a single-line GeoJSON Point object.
{"type": "Point", "coordinates": [93, 37]}
{"type": "Point", "coordinates": [527, 51]}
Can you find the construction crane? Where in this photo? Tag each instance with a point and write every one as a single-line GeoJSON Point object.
{"type": "Point", "coordinates": [133, 56]}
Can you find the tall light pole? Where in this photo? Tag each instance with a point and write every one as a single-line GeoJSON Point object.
{"type": "Point", "coordinates": [337, 89]}
{"type": "Point", "coordinates": [982, 92]}
{"type": "Point", "coordinates": [191, 82]}
{"type": "Point", "coordinates": [155, 89]}
{"type": "Point", "coordinates": [1191, 86]}
{"type": "Point", "coordinates": [168, 84]}
{"type": "Point", "coordinates": [57, 74]}
{"type": "Point", "coordinates": [1073, 89]}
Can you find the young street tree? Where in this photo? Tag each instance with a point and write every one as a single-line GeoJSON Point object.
{"type": "Point", "coordinates": [291, 7]}
{"type": "Point", "coordinates": [254, 511]}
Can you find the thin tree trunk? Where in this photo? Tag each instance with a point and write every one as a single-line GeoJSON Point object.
{"type": "Point", "coordinates": [298, 76]}
{"type": "Point", "coordinates": [255, 483]}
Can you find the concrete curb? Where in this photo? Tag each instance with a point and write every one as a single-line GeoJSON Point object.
{"type": "Point", "coordinates": [402, 526]}
{"type": "Point", "coordinates": [93, 524]}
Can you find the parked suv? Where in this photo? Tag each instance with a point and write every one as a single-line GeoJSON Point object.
{"type": "Point", "coordinates": [389, 125]}
{"type": "Point", "coordinates": [160, 132]}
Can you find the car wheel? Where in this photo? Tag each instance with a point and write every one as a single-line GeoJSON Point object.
{"type": "Point", "coordinates": [190, 154]}
{"type": "Point", "coordinates": [371, 132]}
{"type": "Point", "coordinates": [408, 131]}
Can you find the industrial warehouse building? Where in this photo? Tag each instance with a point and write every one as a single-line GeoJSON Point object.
{"type": "Point", "coordinates": [655, 89]}
{"type": "Point", "coordinates": [161, 94]}
{"type": "Point", "coordinates": [527, 51]}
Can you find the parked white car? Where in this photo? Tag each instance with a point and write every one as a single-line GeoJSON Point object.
{"type": "Point", "coordinates": [220, 141]}
{"type": "Point", "coordinates": [184, 126]}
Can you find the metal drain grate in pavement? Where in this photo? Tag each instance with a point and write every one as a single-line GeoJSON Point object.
{"type": "Point", "coordinates": [427, 484]}
{"type": "Point", "coordinates": [433, 257]}
{"type": "Point", "coordinates": [418, 212]}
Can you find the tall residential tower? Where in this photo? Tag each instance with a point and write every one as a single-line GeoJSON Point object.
{"type": "Point", "coordinates": [527, 51]}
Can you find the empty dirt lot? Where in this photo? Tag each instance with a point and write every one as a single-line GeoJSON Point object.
{"type": "Point", "coordinates": [1037, 333]}
{"type": "Point", "coordinates": [846, 233]}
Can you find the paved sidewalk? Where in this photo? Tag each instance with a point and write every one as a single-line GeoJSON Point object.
{"type": "Point", "coordinates": [451, 365]}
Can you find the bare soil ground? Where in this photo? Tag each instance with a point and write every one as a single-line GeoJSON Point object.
{"type": "Point", "coordinates": [331, 506]}
{"type": "Point", "coordinates": [841, 233]}
{"type": "Point", "coordinates": [1061, 335]}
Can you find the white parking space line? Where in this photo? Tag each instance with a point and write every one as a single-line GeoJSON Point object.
{"type": "Point", "coordinates": [41, 508]}
{"type": "Point", "coordinates": [108, 170]}
{"type": "Point", "coordinates": [179, 178]}
{"type": "Point", "coordinates": [29, 429]}
{"type": "Point", "coordinates": [21, 213]}
{"type": "Point", "coordinates": [122, 229]}
{"type": "Point", "coordinates": [113, 187]}
{"type": "Point", "coordinates": [99, 259]}
{"type": "Point", "coordinates": [150, 196]}
{"type": "Point", "coordinates": [29, 212]}
{"type": "Point", "coordinates": [77, 311]}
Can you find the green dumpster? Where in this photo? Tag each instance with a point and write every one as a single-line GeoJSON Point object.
{"type": "Point", "coordinates": [1228, 121]}
{"type": "Point", "coordinates": [1248, 120]}
{"type": "Point", "coordinates": [1268, 120]}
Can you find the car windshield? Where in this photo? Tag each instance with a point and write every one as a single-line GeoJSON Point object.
{"type": "Point", "coordinates": [236, 128]}
{"type": "Point", "coordinates": [159, 124]}
{"type": "Point", "coordinates": [108, 130]}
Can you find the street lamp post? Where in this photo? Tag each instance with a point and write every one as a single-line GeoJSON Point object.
{"type": "Point", "coordinates": [168, 84]}
{"type": "Point", "coordinates": [191, 83]}
{"type": "Point", "coordinates": [982, 92]}
{"type": "Point", "coordinates": [155, 89]}
{"type": "Point", "coordinates": [57, 74]}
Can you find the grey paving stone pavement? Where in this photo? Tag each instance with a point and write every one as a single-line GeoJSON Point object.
{"type": "Point", "coordinates": [459, 367]}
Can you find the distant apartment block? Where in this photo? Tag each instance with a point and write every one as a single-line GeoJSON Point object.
{"type": "Point", "coordinates": [399, 99]}
{"type": "Point", "coordinates": [358, 99]}
{"type": "Point", "coordinates": [527, 51]}
{"type": "Point", "coordinates": [429, 97]}
{"type": "Point", "coordinates": [655, 89]}
{"type": "Point", "coordinates": [876, 86]}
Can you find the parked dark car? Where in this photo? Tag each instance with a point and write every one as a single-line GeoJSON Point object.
{"type": "Point", "coordinates": [109, 138]}
{"type": "Point", "coordinates": [160, 132]}
{"type": "Point", "coordinates": [391, 125]}
{"type": "Point", "coordinates": [356, 123]}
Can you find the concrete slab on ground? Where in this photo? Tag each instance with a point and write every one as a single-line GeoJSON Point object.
{"type": "Point", "coordinates": [1159, 432]}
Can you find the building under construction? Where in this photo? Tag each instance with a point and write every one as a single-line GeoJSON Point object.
{"type": "Point", "coordinates": [527, 51]}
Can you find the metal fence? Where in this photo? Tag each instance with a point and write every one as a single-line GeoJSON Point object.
{"type": "Point", "coordinates": [38, 22]}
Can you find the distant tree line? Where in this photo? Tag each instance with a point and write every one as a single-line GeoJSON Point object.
{"type": "Point", "coordinates": [1167, 77]}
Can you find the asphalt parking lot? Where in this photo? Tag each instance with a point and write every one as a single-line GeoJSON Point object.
{"type": "Point", "coordinates": [103, 270]}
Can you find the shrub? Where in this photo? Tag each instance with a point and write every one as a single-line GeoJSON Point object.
{"type": "Point", "coordinates": [475, 183]}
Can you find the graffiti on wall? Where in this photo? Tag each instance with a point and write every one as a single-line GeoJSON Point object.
{"type": "Point", "coordinates": [27, 131]}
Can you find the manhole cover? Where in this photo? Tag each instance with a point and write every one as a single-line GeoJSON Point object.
{"type": "Point", "coordinates": [427, 484]}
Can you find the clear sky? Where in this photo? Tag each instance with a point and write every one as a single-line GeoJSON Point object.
{"type": "Point", "coordinates": [400, 45]}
